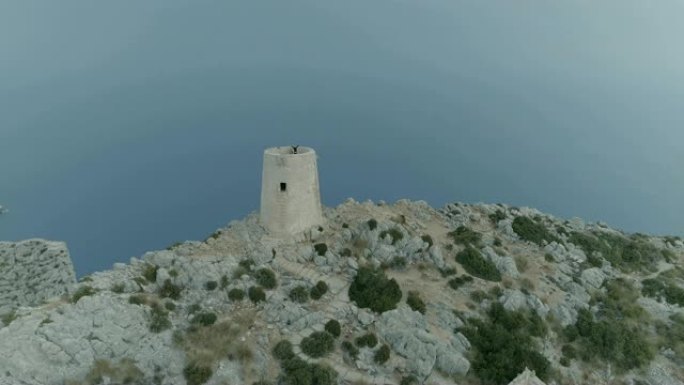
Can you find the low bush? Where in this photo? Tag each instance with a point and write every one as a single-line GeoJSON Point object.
{"type": "Point", "coordinates": [170, 306]}
{"type": "Point", "coordinates": [532, 231]}
{"type": "Point", "coordinates": [373, 290]}
{"type": "Point", "coordinates": [236, 294]}
{"type": "Point", "coordinates": [159, 319]}
{"type": "Point", "coordinates": [170, 290]}
{"type": "Point", "coordinates": [368, 340]}
{"type": "Point", "coordinates": [196, 374]}
{"type": "Point", "coordinates": [398, 263]}
{"type": "Point", "coordinates": [382, 355]}
{"type": "Point", "coordinates": [256, 294]}
{"type": "Point", "coordinates": [283, 350]}
{"type": "Point", "coordinates": [204, 319]}
{"type": "Point", "coordinates": [409, 380]}
{"type": "Point", "coordinates": [661, 288]}
{"type": "Point", "coordinates": [457, 282]}
{"type": "Point", "coordinates": [350, 349]}
{"type": "Point", "coordinates": [415, 302]}
{"type": "Point", "coordinates": [81, 292]}
{"type": "Point", "coordinates": [395, 234]}
{"type": "Point", "coordinates": [137, 299]}
{"type": "Point", "coordinates": [626, 254]}
{"type": "Point", "coordinates": [448, 271]}
{"type": "Point", "coordinates": [296, 371]}
{"type": "Point", "coordinates": [502, 346]}
{"type": "Point", "coordinates": [150, 273]}
{"type": "Point", "coordinates": [224, 282]}
{"type": "Point", "coordinates": [427, 239]}
{"type": "Point", "coordinates": [333, 327]}
{"type": "Point", "coordinates": [317, 344]}
{"type": "Point", "coordinates": [7, 318]}
{"type": "Point", "coordinates": [497, 216]}
{"type": "Point", "coordinates": [118, 288]}
{"type": "Point", "coordinates": [321, 249]}
{"type": "Point", "coordinates": [372, 224]}
{"type": "Point", "coordinates": [211, 285]}
{"type": "Point", "coordinates": [299, 294]}
{"type": "Point", "coordinates": [123, 372]}
{"type": "Point", "coordinates": [266, 278]}
{"type": "Point", "coordinates": [475, 264]}
{"type": "Point", "coordinates": [346, 252]}
{"type": "Point", "coordinates": [465, 236]}
{"type": "Point", "coordinates": [194, 308]}
{"type": "Point", "coordinates": [549, 258]}
{"type": "Point", "coordinates": [318, 290]}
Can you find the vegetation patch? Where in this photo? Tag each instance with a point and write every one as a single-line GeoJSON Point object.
{"type": "Point", "coordinates": [266, 278]}
{"type": "Point", "coordinates": [204, 319]}
{"type": "Point", "coordinates": [283, 350]}
{"type": "Point", "coordinates": [159, 318]}
{"type": "Point", "coordinates": [532, 231]}
{"type": "Point", "coordinates": [475, 264]}
{"type": "Point", "coordinates": [7, 318]}
{"type": "Point", "coordinates": [317, 344]}
{"type": "Point", "coordinates": [296, 371]}
{"type": "Point", "coordinates": [427, 239]}
{"type": "Point", "coordinates": [170, 290]}
{"type": "Point", "coordinates": [256, 294]}
{"type": "Point", "coordinates": [81, 292]}
{"type": "Point", "coordinates": [497, 216]}
{"type": "Point", "coordinates": [333, 327]}
{"type": "Point", "coordinates": [465, 236]}
{"type": "Point", "coordinates": [196, 374]}
{"type": "Point", "coordinates": [368, 340]}
{"type": "Point", "coordinates": [299, 294]}
{"type": "Point", "coordinates": [382, 355]}
{"type": "Point", "coordinates": [457, 282]}
{"type": "Point", "coordinates": [394, 233]}
{"type": "Point", "coordinates": [123, 372]}
{"type": "Point", "coordinates": [503, 345]}
{"type": "Point", "coordinates": [372, 224]}
{"type": "Point", "coordinates": [137, 299]}
{"type": "Point", "coordinates": [627, 254]}
{"type": "Point", "coordinates": [211, 285]}
{"type": "Point", "coordinates": [321, 249]}
{"type": "Point", "coordinates": [150, 273]}
{"type": "Point", "coordinates": [351, 349]}
{"type": "Point", "coordinates": [373, 290]}
{"type": "Point", "coordinates": [661, 288]}
{"type": "Point", "coordinates": [319, 289]}
{"type": "Point", "coordinates": [236, 294]}
{"type": "Point", "coordinates": [415, 302]}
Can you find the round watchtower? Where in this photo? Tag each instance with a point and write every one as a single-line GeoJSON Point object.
{"type": "Point", "coordinates": [290, 195]}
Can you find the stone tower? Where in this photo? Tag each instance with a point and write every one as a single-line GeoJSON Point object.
{"type": "Point", "coordinates": [290, 196]}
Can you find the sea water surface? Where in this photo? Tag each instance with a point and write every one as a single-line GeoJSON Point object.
{"type": "Point", "coordinates": [128, 126]}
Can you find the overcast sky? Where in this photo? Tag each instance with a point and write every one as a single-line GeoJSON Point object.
{"type": "Point", "coordinates": [128, 125]}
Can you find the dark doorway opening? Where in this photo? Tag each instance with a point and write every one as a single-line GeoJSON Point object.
{"type": "Point", "coordinates": [283, 186]}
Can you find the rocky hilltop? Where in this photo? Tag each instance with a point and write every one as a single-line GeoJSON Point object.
{"type": "Point", "coordinates": [381, 294]}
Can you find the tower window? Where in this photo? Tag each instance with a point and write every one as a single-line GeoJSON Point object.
{"type": "Point", "coordinates": [283, 186]}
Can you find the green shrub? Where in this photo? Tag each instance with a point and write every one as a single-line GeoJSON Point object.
{"type": "Point", "coordinates": [256, 294]}
{"type": "Point", "coordinates": [159, 319]}
{"type": "Point", "coordinates": [333, 327]}
{"type": "Point", "coordinates": [382, 355]}
{"type": "Point", "coordinates": [266, 278]}
{"type": "Point", "coordinates": [532, 231]}
{"type": "Point", "coordinates": [409, 380]}
{"type": "Point", "coordinates": [626, 254]}
{"type": "Point", "coordinates": [398, 263]}
{"type": "Point", "coordinates": [137, 299]}
{"type": "Point", "coordinates": [478, 296]}
{"type": "Point", "coordinates": [170, 306]}
{"type": "Point", "coordinates": [81, 292]}
{"type": "Point", "coordinates": [170, 290]}
{"type": "Point", "coordinates": [497, 242]}
{"type": "Point", "coordinates": [283, 350]}
{"type": "Point", "coordinates": [475, 264]}
{"type": "Point", "coordinates": [173, 273]}
{"type": "Point", "coordinates": [660, 288]}
{"type": "Point", "coordinates": [372, 224]}
{"type": "Point", "coordinates": [204, 319]}
{"type": "Point", "coordinates": [211, 285]}
{"type": "Point", "coordinates": [118, 288]}
{"type": "Point", "coordinates": [345, 226]}
{"type": "Point", "coordinates": [224, 282]}
{"type": "Point", "coordinates": [395, 234]}
{"type": "Point", "coordinates": [7, 318]}
{"type": "Point", "coordinates": [465, 236]}
{"type": "Point", "coordinates": [318, 290]}
{"type": "Point", "coordinates": [569, 351]}
{"type": "Point", "coordinates": [368, 340]}
{"type": "Point", "coordinates": [317, 344]}
{"type": "Point", "coordinates": [448, 271]}
{"type": "Point", "coordinates": [150, 273]}
{"type": "Point", "coordinates": [346, 252]}
{"type": "Point", "coordinates": [299, 294]}
{"type": "Point", "coordinates": [372, 289]}
{"type": "Point", "coordinates": [298, 372]}
{"type": "Point", "coordinates": [350, 349]}
{"type": "Point", "coordinates": [196, 374]}
{"type": "Point", "coordinates": [427, 239]}
{"type": "Point", "coordinates": [497, 216]}
{"type": "Point", "coordinates": [321, 249]}
{"type": "Point", "coordinates": [549, 258]}
{"type": "Point", "coordinates": [457, 282]}
{"type": "Point", "coordinates": [502, 346]}
{"type": "Point", "coordinates": [236, 294]}
{"type": "Point", "coordinates": [194, 308]}
{"type": "Point", "coordinates": [415, 302]}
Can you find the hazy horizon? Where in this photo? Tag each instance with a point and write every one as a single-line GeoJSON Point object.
{"type": "Point", "coordinates": [127, 126]}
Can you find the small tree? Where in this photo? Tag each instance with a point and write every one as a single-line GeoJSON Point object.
{"type": "Point", "coordinates": [317, 344]}
{"type": "Point", "coordinates": [382, 355]}
{"type": "Point", "coordinates": [256, 294]}
{"type": "Point", "coordinates": [333, 327]}
{"type": "Point", "coordinates": [319, 290]}
{"type": "Point", "coordinates": [299, 294]}
{"type": "Point", "coordinates": [372, 289]}
{"type": "Point", "coordinates": [266, 278]}
{"type": "Point", "coordinates": [236, 294]}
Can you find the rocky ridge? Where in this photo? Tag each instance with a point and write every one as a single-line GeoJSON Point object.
{"type": "Point", "coordinates": [192, 314]}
